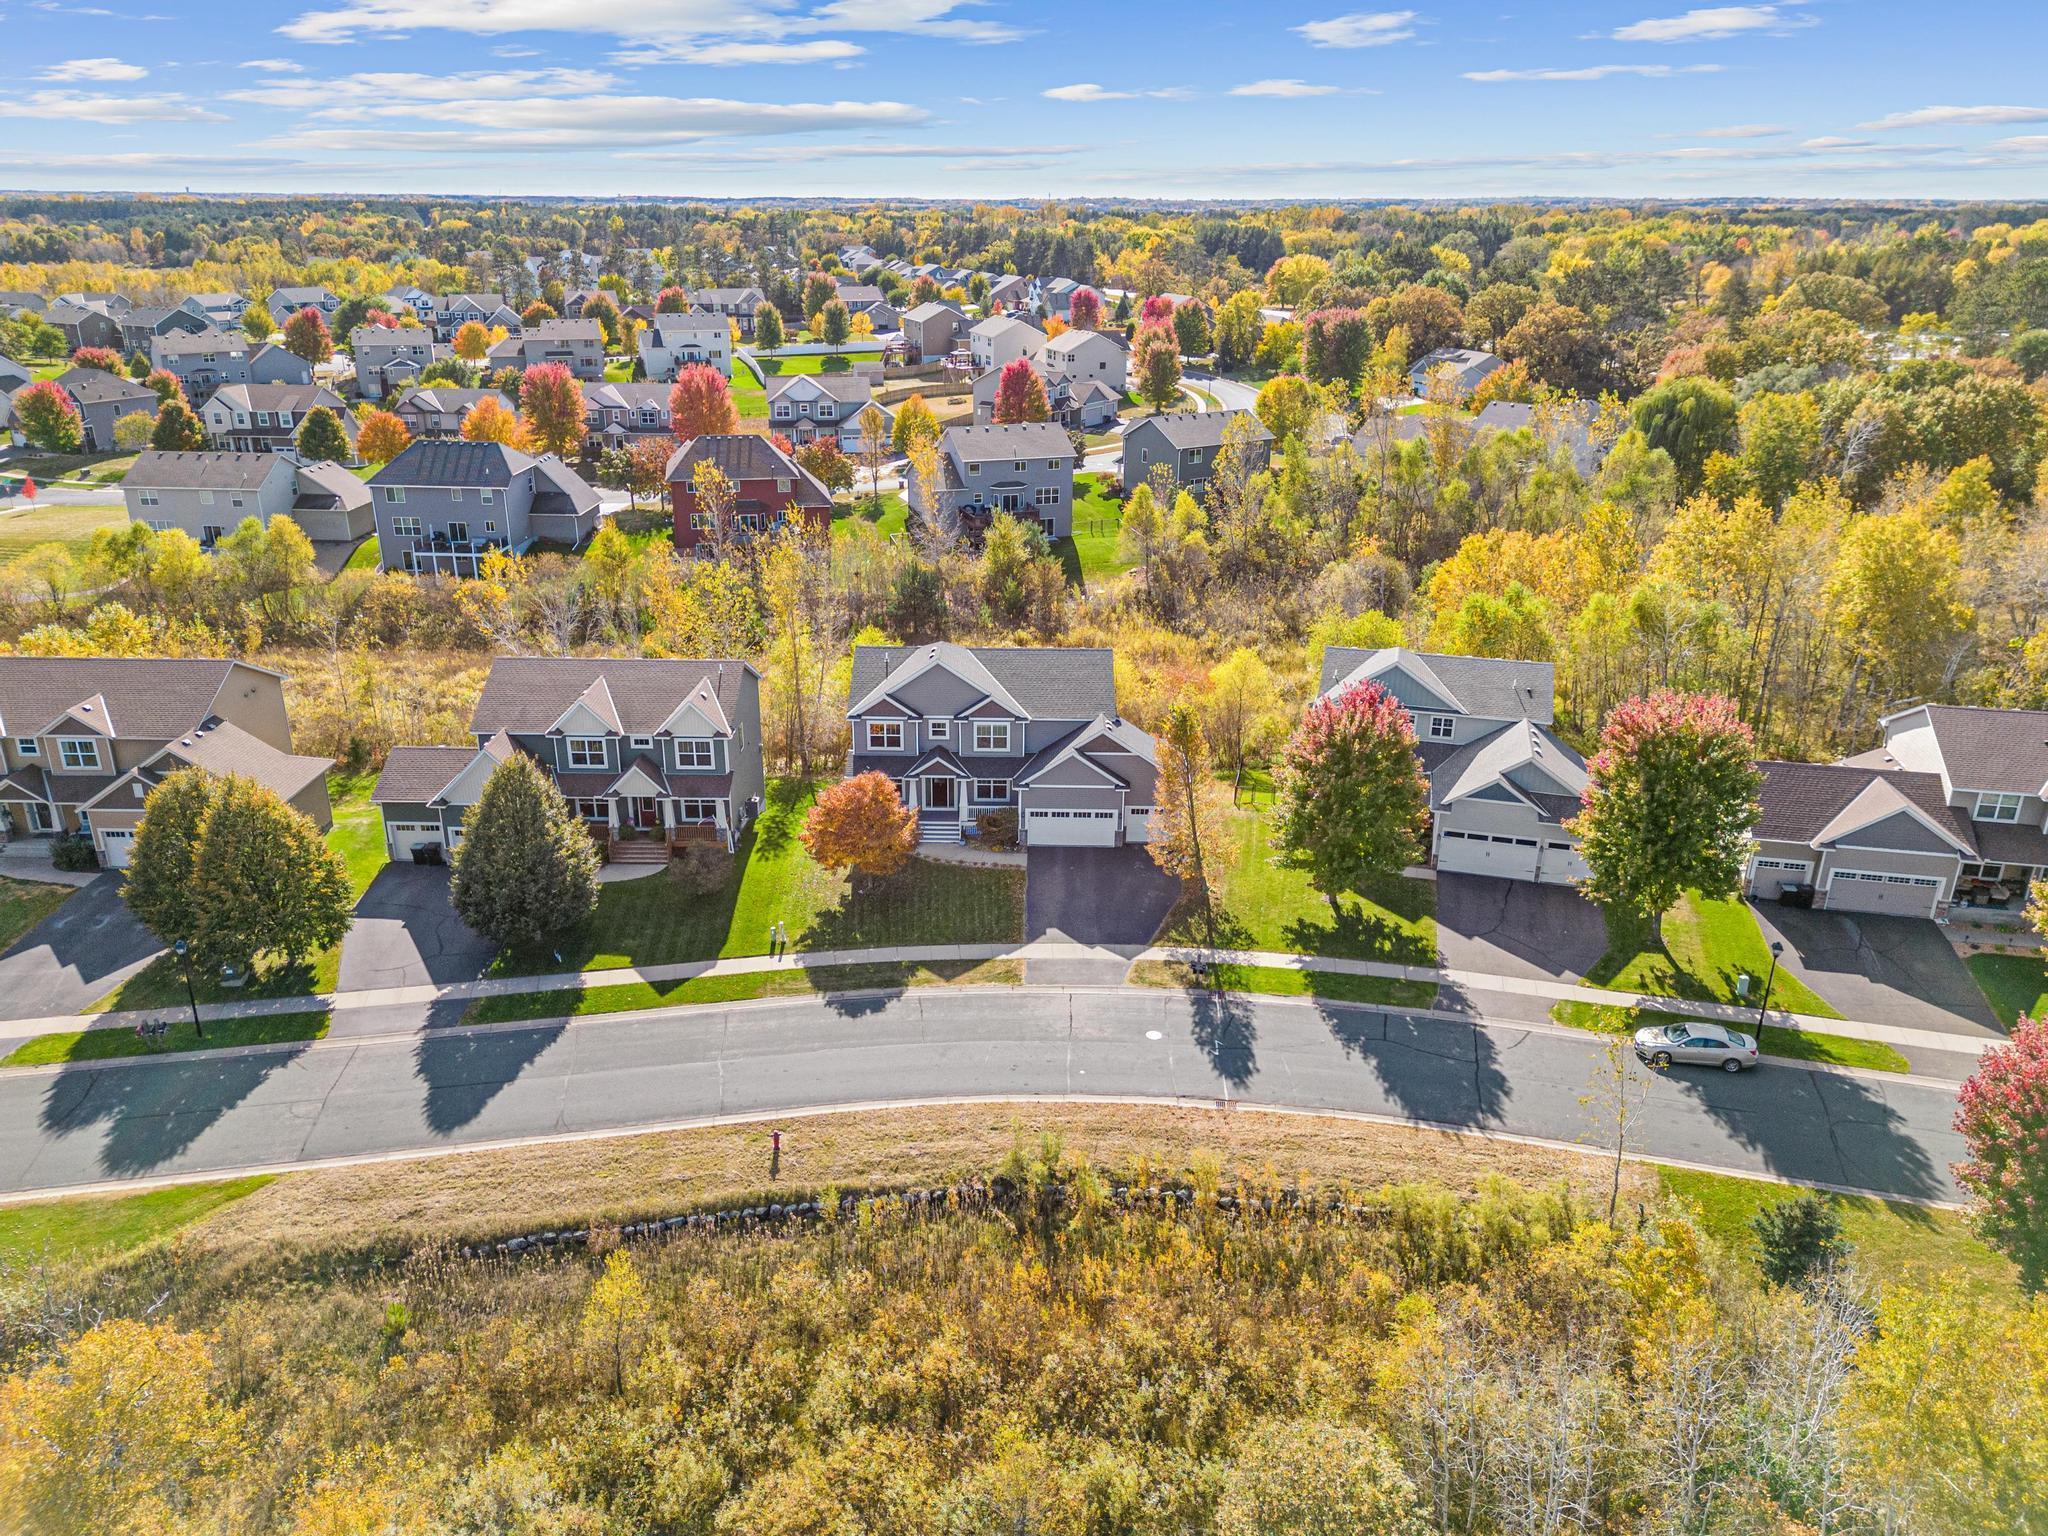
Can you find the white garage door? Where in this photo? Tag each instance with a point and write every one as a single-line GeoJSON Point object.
{"type": "Point", "coordinates": [1856, 890]}
{"type": "Point", "coordinates": [116, 849]}
{"type": "Point", "coordinates": [1138, 824]}
{"type": "Point", "coordinates": [1070, 829]}
{"type": "Point", "coordinates": [401, 835]}
{"type": "Point", "coordinates": [1561, 864]}
{"type": "Point", "coordinates": [1481, 853]}
{"type": "Point", "coordinates": [1767, 877]}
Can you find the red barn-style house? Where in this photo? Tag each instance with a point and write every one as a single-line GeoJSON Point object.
{"type": "Point", "coordinates": [769, 488]}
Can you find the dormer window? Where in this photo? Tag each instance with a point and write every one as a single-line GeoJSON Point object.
{"type": "Point", "coordinates": [586, 751]}
{"type": "Point", "coordinates": [1999, 807]}
{"type": "Point", "coordinates": [1442, 727]}
{"type": "Point", "coordinates": [80, 754]}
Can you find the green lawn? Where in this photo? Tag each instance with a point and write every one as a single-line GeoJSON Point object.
{"type": "Point", "coordinates": [619, 370]}
{"type": "Point", "coordinates": [105, 1044]}
{"type": "Point", "coordinates": [1703, 946]}
{"type": "Point", "coordinates": [1798, 1045]}
{"type": "Point", "coordinates": [1280, 981]}
{"type": "Point", "coordinates": [24, 903]}
{"type": "Point", "coordinates": [577, 1002]}
{"type": "Point", "coordinates": [71, 525]}
{"type": "Point", "coordinates": [2012, 984]}
{"type": "Point", "coordinates": [1091, 556]}
{"type": "Point", "coordinates": [1264, 906]}
{"type": "Point", "coordinates": [890, 517]}
{"type": "Point", "coordinates": [364, 557]}
{"type": "Point", "coordinates": [1893, 1240]}
{"type": "Point", "coordinates": [654, 921]}
{"type": "Point", "coordinates": [358, 836]}
{"type": "Point", "coordinates": [817, 362]}
{"type": "Point", "coordinates": [108, 1225]}
{"type": "Point", "coordinates": [749, 394]}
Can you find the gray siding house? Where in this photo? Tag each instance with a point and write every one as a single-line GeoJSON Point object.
{"type": "Point", "coordinates": [283, 303]}
{"type": "Point", "coordinates": [576, 344]}
{"type": "Point", "coordinates": [1187, 442]}
{"type": "Point", "coordinates": [1025, 468]}
{"type": "Point", "coordinates": [933, 329]}
{"type": "Point", "coordinates": [272, 364]}
{"type": "Point", "coordinates": [963, 732]}
{"type": "Point", "coordinates": [807, 406]}
{"type": "Point", "coordinates": [438, 410]}
{"type": "Point", "coordinates": [653, 755]}
{"type": "Point", "coordinates": [208, 494]}
{"type": "Point", "coordinates": [1461, 368]}
{"type": "Point", "coordinates": [1501, 782]}
{"type": "Point", "coordinates": [141, 327]}
{"type": "Point", "coordinates": [442, 506]}
{"type": "Point", "coordinates": [103, 399]}
{"type": "Point", "coordinates": [202, 360]}
{"type": "Point", "coordinates": [387, 360]}
{"type": "Point", "coordinates": [262, 418]}
{"type": "Point", "coordinates": [674, 342]}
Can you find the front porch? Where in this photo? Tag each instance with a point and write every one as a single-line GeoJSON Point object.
{"type": "Point", "coordinates": [652, 829]}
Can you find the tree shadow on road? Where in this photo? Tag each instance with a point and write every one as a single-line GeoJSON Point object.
{"type": "Point", "coordinates": [154, 1113]}
{"type": "Point", "coordinates": [1225, 1030]}
{"type": "Point", "coordinates": [1440, 1070]}
{"type": "Point", "coordinates": [464, 1069]}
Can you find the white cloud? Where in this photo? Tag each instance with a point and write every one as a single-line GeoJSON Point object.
{"type": "Point", "coordinates": [1590, 72]}
{"type": "Point", "coordinates": [398, 93]}
{"type": "Point", "coordinates": [275, 66]}
{"type": "Point", "coordinates": [779, 154]}
{"type": "Point", "coordinates": [1359, 29]}
{"type": "Point", "coordinates": [1284, 88]}
{"type": "Point", "coordinates": [1710, 23]}
{"type": "Point", "coordinates": [168, 108]}
{"type": "Point", "coordinates": [98, 71]}
{"type": "Point", "coordinates": [1745, 131]}
{"type": "Point", "coordinates": [1089, 91]}
{"type": "Point", "coordinates": [514, 51]}
{"type": "Point", "coordinates": [663, 21]}
{"type": "Point", "coordinates": [508, 124]}
{"type": "Point", "coordinates": [1960, 117]}
{"type": "Point", "coordinates": [822, 50]}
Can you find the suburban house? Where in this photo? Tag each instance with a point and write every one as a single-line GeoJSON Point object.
{"type": "Point", "coordinates": [388, 359]}
{"type": "Point", "coordinates": [1008, 292]}
{"type": "Point", "coordinates": [1086, 355]}
{"type": "Point", "coordinates": [438, 410]}
{"type": "Point", "coordinates": [453, 311]}
{"type": "Point", "coordinates": [674, 342]}
{"type": "Point", "coordinates": [102, 399]}
{"type": "Point", "coordinates": [1002, 339]}
{"type": "Point", "coordinates": [806, 406]}
{"type": "Point", "coordinates": [576, 344]}
{"type": "Point", "coordinates": [140, 327]}
{"type": "Point", "coordinates": [1077, 404]}
{"type": "Point", "coordinates": [1024, 468]}
{"type": "Point", "coordinates": [615, 414]}
{"type": "Point", "coordinates": [769, 487]}
{"type": "Point", "coordinates": [965, 731]}
{"type": "Point", "coordinates": [1951, 813]}
{"type": "Point", "coordinates": [734, 304]}
{"type": "Point", "coordinates": [1188, 443]}
{"type": "Point", "coordinates": [1461, 368]}
{"type": "Point", "coordinates": [411, 297]}
{"type": "Point", "coordinates": [933, 329]}
{"type": "Point", "coordinates": [272, 364]}
{"type": "Point", "coordinates": [221, 310]}
{"type": "Point", "coordinates": [207, 494]}
{"type": "Point", "coordinates": [1501, 783]}
{"type": "Point", "coordinates": [84, 739]}
{"type": "Point", "coordinates": [262, 418]}
{"type": "Point", "coordinates": [1056, 296]}
{"type": "Point", "coordinates": [202, 361]}
{"type": "Point", "coordinates": [13, 375]}
{"type": "Point", "coordinates": [653, 755]}
{"type": "Point", "coordinates": [442, 506]}
{"type": "Point", "coordinates": [18, 301]}
{"type": "Point", "coordinates": [83, 325]}
{"type": "Point", "coordinates": [283, 303]}
{"type": "Point", "coordinates": [867, 299]}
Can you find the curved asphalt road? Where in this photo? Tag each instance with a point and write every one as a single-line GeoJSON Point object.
{"type": "Point", "coordinates": [272, 1107]}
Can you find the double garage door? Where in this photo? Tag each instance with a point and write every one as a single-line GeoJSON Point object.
{"type": "Point", "coordinates": [1070, 829]}
{"type": "Point", "coordinates": [1507, 857]}
{"type": "Point", "coordinates": [1856, 890]}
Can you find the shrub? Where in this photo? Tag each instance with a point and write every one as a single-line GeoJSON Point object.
{"type": "Point", "coordinates": [73, 852]}
{"type": "Point", "coordinates": [998, 829]}
{"type": "Point", "coordinates": [1797, 1238]}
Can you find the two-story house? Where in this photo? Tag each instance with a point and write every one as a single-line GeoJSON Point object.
{"type": "Point", "coordinates": [207, 494]}
{"type": "Point", "coordinates": [223, 311]}
{"type": "Point", "coordinates": [439, 409]}
{"type": "Point", "coordinates": [1501, 782]}
{"type": "Point", "coordinates": [933, 329]}
{"type": "Point", "coordinates": [1458, 369]}
{"type": "Point", "coordinates": [283, 303]}
{"type": "Point", "coordinates": [804, 407]}
{"type": "Point", "coordinates": [769, 488]}
{"type": "Point", "coordinates": [202, 361]}
{"type": "Point", "coordinates": [674, 342]}
{"type": "Point", "coordinates": [1002, 339]}
{"type": "Point", "coordinates": [1188, 442]}
{"type": "Point", "coordinates": [963, 731]}
{"type": "Point", "coordinates": [271, 364]}
{"type": "Point", "coordinates": [1023, 468]}
{"type": "Point", "coordinates": [1076, 402]}
{"type": "Point", "coordinates": [1087, 355]}
{"type": "Point", "coordinates": [615, 414]}
{"type": "Point", "coordinates": [1008, 291]}
{"type": "Point", "coordinates": [262, 418]}
{"type": "Point", "coordinates": [455, 310]}
{"type": "Point", "coordinates": [1951, 812]}
{"type": "Point", "coordinates": [650, 754]}
{"type": "Point", "coordinates": [102, 399]}
{"type": "Point", "coordinates": [576, 344]}
{"type": "Point", "coordinates": [84, 739]}
{"type": "Point", "coordinates": [410, 298]}
{"type": "Point", "coordinates": [734, 304]}
{"type": "Point", "coordinates": [141, 327]}
{"type": "Point", "coordinates": [84, 325]}
{"type": "Point", "coordinates": [441, 506]}
{"type": "Point", "coordinates": [390, 358]}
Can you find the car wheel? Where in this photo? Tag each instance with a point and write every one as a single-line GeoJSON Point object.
{"type": "Point", "coordinates": [1660, 1060]}
{"type": "Point", "coordinates": [1731, 1066]}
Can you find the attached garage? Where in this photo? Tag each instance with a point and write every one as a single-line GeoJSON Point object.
{"type": "Point", "coordinates": [1768, 877]}
{"type": "Point", "coordinates": [1069, 828]}
{"type": "Point", "coordinates": [1487, 853]}
{"type": "Point", "coordinates": [1560, 864]}
{"type": "Point", "coordinates": [399, 837]}
{"type": "Point", "coordinates": [116, 849]}
{"type": "Point", "coordinates": [1138, 824]}
{"type": "Point", "coordinates": [1857, 890]}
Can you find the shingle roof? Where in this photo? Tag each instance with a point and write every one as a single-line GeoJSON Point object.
{"type": "Point", "coordinates": [559, 491]}
{"type": "Point", "coordinates": [1997, 749]}
{"type": "Point", "coordinates": [1013, 440]}
{"type": "Point", "coordinates": [1200, 429]}
{"type": "Point", "coordinates": [414, 775]}
{"type": "Point", "coordinates": [527, 694]}
{"type": "Point", "coordinates": [285, 397]}
{"type": "Point", "coordinates": [325, 485]}
{"type": "Point", "coordinates": [746, 456]}
{"type": "Point", "coordinates": [91, 386]}
{"type": "Point", "coordinates": [219, 746]}
{"type": "Point", "coordinates": [444, 397]}
{"type": "Point", "coordinates": [840, 386]}
{"type": "Point", "coordinates": [565, 330]}
{"type": "Point", "coordinates": [153, 698]}
{"type": "Point", "coordinates": [208, 340]}
{"type": "Point", "coordinates": [1489, 688]}
{"type": "Point", "coordinates": [439, 462]}
{"type": "Point", "coordinates": [627, 397]}
{"type": "Point", "coordinates": [1048, 682]}
{"type": "Point", "coordinates": [205, 470]}
{"type": "Point", "coordinates": [1800, 799]}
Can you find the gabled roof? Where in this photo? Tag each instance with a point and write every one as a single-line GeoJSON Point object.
{"type": "Point", "coordinates": [93, 386]}
{"type": "Point", "coordinates": [2002, 750]}
{"type": "Point", "coordinates": [1811, 802]}
{"type": "Point", "coordinates": [443, 462]}
{"type": "Point", "coordinates": [206, 470]}
{"type": "Point", "coordinates": [325, 485]}
{"type": "Point", "coordinates": [284, 397]}
{"type": "Point", "coordinates": [1037, 682]}
{"type": "Point", "coordinates": [1878, 801]}
{"type": "Point", "coordinates": [222, 747]}
{"type": "Point", "coordinates": [528, 694]}
{"type": "Point", "coordinates": [843, 387]}
{"type": "Point", "coordinates": [1200, 429]}
{"type": "Point", "coordinates": [1534, 764]}
{"type": "Point", "coordinates": [152, 698]}
{"type": "Point", "coordinates": [590, 713]}
{"type": "Point", "coordinates": [1482, 686]}
{"type": "Point", "coordinates": [1110, 746]}
{"type": "Point", "coordinates": [195, 343]}
{"type": "Point", "coordinates": [1011, 440]}
{"type": "Point", "coordinates": [743, 456]}
{"type": "Point", "coordinates": [446, 398]}
{"type": "Point", "coordinates": [417, 775]}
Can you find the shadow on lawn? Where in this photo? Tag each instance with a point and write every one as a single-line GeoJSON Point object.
{"type": "Point", "coordinates": [1359, 931]}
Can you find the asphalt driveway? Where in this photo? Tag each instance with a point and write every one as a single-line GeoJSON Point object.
{"type": "Point", "coordinates": [407, 934]}
{"type": "Point", "coordinates": [1887, 970]}
{"type": "Point", "coordinates": [76, 955]}
{"type": "Point", "coordinates": [1516, 928]}
{"type": "Point", "coordinates": [1116, 897]}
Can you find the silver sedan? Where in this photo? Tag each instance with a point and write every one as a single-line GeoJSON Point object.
{"type": "Point", "coordinates": [1695, 1042]}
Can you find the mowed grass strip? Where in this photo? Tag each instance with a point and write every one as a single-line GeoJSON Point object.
{"type": "Point", "coordinates": [1282, 981]}
{"type": "Point", "coordinates": [630, 997]}
{"type": "Point", "coordinates": [112, 1042]}
{"type": "Point", "coordinates": [24, 903]}
{"type": "Point", "coordinates": [2012, 984]}
{"type": "Point", "coordinates": [106, 1226]}
{"type": "Point", "coordinates": [71, 525]}
{"type": "Point", "coordinates": [1699, 949]}
{"type": "Point", "coordinates": [1795, 1044]}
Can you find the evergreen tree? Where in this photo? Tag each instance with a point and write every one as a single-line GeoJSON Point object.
{"type": "Point", "coordinates": [526, 872]}
{"type": "Point", "coordinates": [321, 436]}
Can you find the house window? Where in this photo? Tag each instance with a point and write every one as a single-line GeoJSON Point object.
{"type": "Point", "coordinates": [458, 533]}
{"type": "Point", "coordinates": [1442, 727]}
{"type": "Point", "coordinates": [700, 522]}
{"type": "Point", "coordinates": [26, 746]}
{"type": "Point", "coordinates": [782, 486]}
{"type": "Point", "coordinates": [991, 735]}
{"type": "Point", "coordinates": [455, 493]}
{"type": "Point", "coordinates": [885, 735]}
{"type": "Point", "coordinates": [211, 533]}
{"type": "Point", "coordinates": [991, 791]}
{"type": "Point", "coordinates": [694, 752]}
{"type": "Point", "coordinates": [79, 753]}
{"type": "Point", "coordinates": [1999, 807]}
{"type": "Point", "coordinates": [1054, 463]}
{"type": "Point", "coordinates": [262, 419]}
{"type": "Point", "coordinates": [1048, 496]}
{"type": "Point", "coordinates": [696, 810]}
{"type": "Point", "coordinates": [974, 469]}
{"type": "Point", "coordinates": [591, 810]}
{"type": "Point", "coordinates": [486, 496]}
{"type": "Point", "coordinates": [941, 730]}
{"type": "Point", "coordinates": [406, 527]}
{"type": "Point", "coordinates": [490, 527]}
{"type": "Point", "coordinates": [206, 498]}
{"type": "Point", "coordinates": [160, 525]}
{"type": "Point", "coordinates": [394, 493]}
{"type": "Point", "coordinates": [1020, 466]}
{"type": "Point", "coordinates": [147, 498]}
{"type": "Point", "coordinates": [234, 501]}
{"type": "Point", "coordinates": [749, 522]}
{"type": "Point", "coordinates": [586, 751]}
{"type": "Point", "coordinates": [642, 743]}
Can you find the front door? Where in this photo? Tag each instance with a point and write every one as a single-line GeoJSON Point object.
{"type": "Point", "coordinates": [941, 794]}
{"type": "Point", "coordinates": [646, 811]}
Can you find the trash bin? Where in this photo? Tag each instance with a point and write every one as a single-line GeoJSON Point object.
{"type": "Point", "coordinates": [428, 853]}
{"type": "Point", "coordinates": [1795, 896]}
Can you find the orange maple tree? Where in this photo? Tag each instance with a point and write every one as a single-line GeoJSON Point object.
{"type": "Point", "coordinates": [862, 825]}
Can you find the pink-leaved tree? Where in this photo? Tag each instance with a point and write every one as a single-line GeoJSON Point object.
{"type": "Point", "coordinates": [2002, 1115]}
{"type": "Point", "coordinates": [1020, 393]}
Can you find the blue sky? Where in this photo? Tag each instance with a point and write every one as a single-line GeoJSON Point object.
{"type": "Point", "coordinates": [1009, 99]}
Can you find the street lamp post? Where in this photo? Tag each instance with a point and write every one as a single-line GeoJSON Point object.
{"type": "Point", "coordinates": [1777, 949]}
{"type": "Point", "coordinates": [184, 954]}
